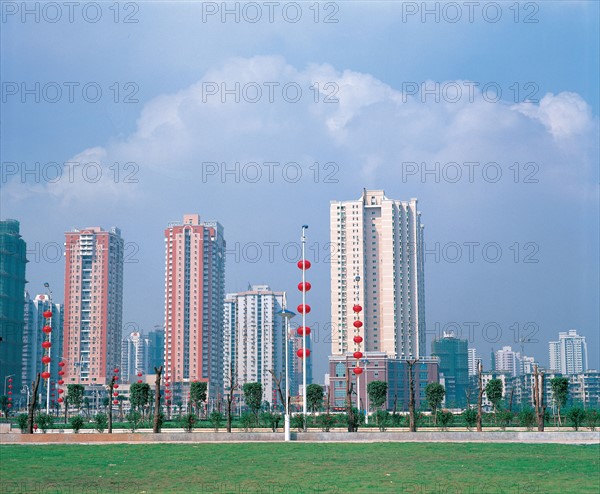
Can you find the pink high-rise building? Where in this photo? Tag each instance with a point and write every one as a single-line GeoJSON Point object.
{"type": "Point", "coordinates": [93, 304]}
{"type": "Point", "coordinates": [194, 296]}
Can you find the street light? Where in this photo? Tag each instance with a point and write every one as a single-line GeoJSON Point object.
{"type": "Point", "coordinates": [25, 389]}
{"type": "Point", "coordinates": [365, 361]}
{"type": "Point", "coordinates": [5, 379]}
{"type": "Point", "coordinates": [304, 356]}
{"type": "Point", "coordinates": [286, 315]}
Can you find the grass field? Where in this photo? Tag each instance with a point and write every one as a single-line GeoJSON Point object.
{"type": "Point", "coordinates": [271, 468]}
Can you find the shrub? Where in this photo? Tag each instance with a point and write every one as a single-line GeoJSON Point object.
{"type": "Point", "coordinates": [576, 416]}
{"type": "Point", "coordinates": [44, 421]}
{"type": "Point", "coordinates": [397, 419]}
{"type": "Point", "coordinates": [382, 419]}
{"type": "Point", "coordinates": [505, 417]}
{"type": "Point", "coordinates": [100, 422]}
{"type": "Point", "coordinates": [470, 416]}
{"type": "Point", "coordinates": [592, 417]}
{"type": "Point", "coordinates": [188, 421]}
{"type": "Point", "coordinates": [527, 418]}
{"type": "Point", "coordinates": [271, 419]}
{"type": "Point", "coordinates": [248, 421]}
{"type": "Point", "coordinates": [22, 420]}
{"type": "Point", "coordinates": [326, 421]}
{"type": "Point", "coordinates": [133, 420]}
{"type": "Point", "coordinates": [216, 419]}
{"type": "Point", "coordinates": [76, 423]}
{"type": "Point", "coordinates": [445, 419]}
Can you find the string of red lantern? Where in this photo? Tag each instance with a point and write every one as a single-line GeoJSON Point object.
{"type": "Point", "coordinates": [357, 309]}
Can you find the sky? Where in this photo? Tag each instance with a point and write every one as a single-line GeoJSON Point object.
{"type": "Point", "coordinates": [257, 115]}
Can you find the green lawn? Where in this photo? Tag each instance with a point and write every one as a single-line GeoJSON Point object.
{"type": "Point", "coordinates": [298, 468]}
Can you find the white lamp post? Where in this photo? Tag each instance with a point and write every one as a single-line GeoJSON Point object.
{"type": "Point", "coordinates": [286, 315]}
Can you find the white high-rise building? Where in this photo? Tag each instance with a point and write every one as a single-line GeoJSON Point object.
{"type": "Point", "coordinates": [508, 361]}
{"type": "Point", "coordinates": [134, 355]}
{"type": "Point", "coordinates": [473, 361]}
{"type": "Point", "coordinates": [568, 355]}
{"type": "Point", "coordinates": [378, 264]}
{"type": "Point", "coordinates": [253, 339]}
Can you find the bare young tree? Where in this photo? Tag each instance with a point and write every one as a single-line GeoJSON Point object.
{"type": "Point", "coordinates": [538, 397]}
{"type": "Point", "coordinates": [32, 404]}
{"type": "Point", "coordinates": [412, 426]}
{"type": "Point", "coordinates": [157, 418]}
{"type": "Point", "coordinates": [233, 385]}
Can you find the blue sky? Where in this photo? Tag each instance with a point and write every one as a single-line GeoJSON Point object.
{"type": "Point", "coordinates": [532, 232]}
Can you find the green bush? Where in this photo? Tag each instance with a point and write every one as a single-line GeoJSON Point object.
{"type": "Point", "coordinates": [326, 421]}
{"type": "Point", "coordinates": [382, 419]}
{"type": "Point", "coordinates": [134, 420]}
{"type": "Point", "coordinates": [505, 417]}
{"type": "Point", "coordinates": [397, 419]}
{"type": "Point", "coordinates": [592, 417]}
{"type": "Point", "coordinates": [248, 421]}
{"type": "Point", "coordinates": [576, 416]}
{"type": "Point", "coordinates": [216, 419]}
{"type": "Point", "coordinates": [22, 420]}
{"type": "Point", "coordinates": [44, 421]}
{"type": "Point", "coordinates": [188, 421]}
{"type": "Point", "coordinates": [76, 423]}
{"type": "Point", "coordinates": [527, 418]}
{"type": "Point", "coordinates": [100, 422]}
{"type": "Point", "coordinates": [445, 419]}
{"type": "Point", "coordinates": [470, 417]}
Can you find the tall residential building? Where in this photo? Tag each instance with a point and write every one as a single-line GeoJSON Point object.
{"type": "Point", "coordinates": [194, 296]}
{"type": "Point", "coordinates": [474, 361]}
{"type": "Point", "coordinates": [378, 264]}
{"type": "Point", "coordinates": [33, 337]}
{"type": "Point", "coordinates": [93, 309]}
{"type": "Point", "coordinates": [454, 366]}
{"type": "Point", "coordinates": [254, 343]}
{"type": "Point", "coordinates": [134, 356]}
{"type": "Point", "coordinates": [506, 360]}
{"type": "Point", "coordinates": [12, 310]}
{"type": "Point", "coordinates": [568, 355]}
{"type": "Point", "coordinates": [156, 350]}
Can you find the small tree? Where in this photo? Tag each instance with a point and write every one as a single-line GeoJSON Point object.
{"type": "Point", "coordinates": [253, 396]}
{"type": "Point", "coordinates": [377, 391]}
{"type": "Point", "coordinates": [188, 421]}
{"type": "Point", "coordinates": [22, 422]}
{"type": "Point", "coordinates": [271, 419]}
{"type": "Point", "coordinates": [493, 391]}
{"type": "Point", "coordinates": [591, 419]}
{"type": "Point", "coordinates": [505, 417]}
{"type": "Point", "coordinates": [560, 393]}
{"type": "Point", "coordinates": [216, 419]}
{"type": "Point", "coordinates": [314, 396]}
{"type": "Point", "coordinates": [382, 419]}
{"type": "Point", "coordinates": [44, 421]}
{"type": "Point", "coordinates": [133, 419]}
{"type": "Point", "coordinates": [75, 395]}
{"type": "Point", "coordinates": [446, 419]}
{"type": "Point", "coordinates": [576, 416]}
{"type": "Point", "coordinates": [527, 418]}
{"type": "Point", "coordinates": [4, 405]}
{"type": "Point", "coordinates": [248, 421]}
{"type": "Point", "coordinates": [76, 423]}
{"type": "Point", "coordinates": [101, 422]}
{"type": "Point", "coordinates": [326, 421]}
{"type": "Point", "coordinates": [470, 416]}
{"type": "Point", "coordinates": [434, 394]}
{"type": "Point", "coordinates": [139, 395]}
{"type": "Point", "coordinates": [198, 394]}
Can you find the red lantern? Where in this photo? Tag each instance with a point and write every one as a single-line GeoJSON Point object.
{"type": "Point", "coordinates": [61, 391]}
{"type": "Point", "coordinates": [10, 386]}
{"type": "Point", "coordinates": [61, 372]}
{"type": "Point", "coordinates": [357, 308]}
{"type": "Point", "coordinates": [304, 264]}
{"type": "Point", "coordinates": [47, 329]}
{"type": "Point", "coordinates": [60, 382]}
{"type": "Point", "coordinates": [116, 386]}
{"type": "Point", "coordinates": [115, 370]}
{"type": "Point", "coordinates": [9, 405]}
{"type": "Point", "coordinates": [357, 371]}
{"type": "Point", "coordinates": [304, 286]}
{"type": "Point", "coordinates": [10, 392]}
{"type": "Point", "coordinates": [47, 314]}
{"type": "Point", "coordinates": [167, 384]}
{"type": "Point", "coordinates": [303, 308]}
{"type": "Point", "coordinates": [116, 393]}
{"type": "Point", "coordinates": [46, 359]}
{"type": "Point", "coordinates": [10, 379]}
{"type": "Point", "coordinates": [302, 353]}
{"type": "Point", "coordinates": [358, 355]}
{"type": "Point", "coordinates": [116, 402]}
{"type": "Point", "coordinates": [139, 374]}
{"type": "Point", "coordinates": [46, 344]}
{"type": "Point", "coordinates": [61, 364]}
{"type": "Point", "coordinates": [116, 378]}
{"type": "Point", "coordinates": [302, 330]}
{"type": "Point", "coordinates": [357, 324]}
{"type": "Point", "coordinates": [139, 381]}
{"type": "Point", "coordinates": [45, 375]}
{"type": "Point", "coordinates": [9, 398]}
{"type": "Point", "coordinates": [358, 339]}
{"type": "Point", "coordinates": [60, 400]}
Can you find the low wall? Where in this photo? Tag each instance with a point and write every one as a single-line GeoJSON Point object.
{"type": "Point", "coordinates": [567, 437]}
